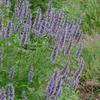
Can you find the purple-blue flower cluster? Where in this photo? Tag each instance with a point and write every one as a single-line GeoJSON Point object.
{"type": "Point", "coordinates": [22, 20]}
{"type": "Point", "coordinates": [3, 94]}
{"type": "Point", "coordinates": [56, 81]}
{"type": "Point", "coordinates": [11, 92]}
{"type": "Point", "coordinates": [49, 23]}
{"type": "Point", "coordinates": [1, 33]}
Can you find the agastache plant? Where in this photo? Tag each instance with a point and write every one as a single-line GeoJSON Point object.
{"type": "Point", "coordinates": [77, 74]}
{"type": "Point", "coordinates": [49, 10]}
{"type": "Point", "coordinates": [54, 54]}
{"type": "Point", "coordinates": [3, 94]}
{"type": "Point", "coordinates": [68, 49]}
{"type": "Point", "coordinates": [55, 22]}
{"type": "Point", "coordinates": [50, 24]}
{"type": "Point", "coordinates": [65, 70]}
{"type": "Point", "coordinates": [11, 92]}
{"type": "Point", "coordinates": [37, 20]}
{"type": "Point", "coordinates": [56, 25]}
{"type": "Point", "coordinates": [78, 38]}
{"type": "Point", "coordinates": [11, 73]}
{"type": "Point", "coordinates": [79, 50]}
{"type": "Point", "coordinates": [52, 83]}
{"type": "Point", "coordinates": [22, 20]}
{"type": "Point", "coordinates": [30, 75]}
{"type": "Point", "coordinates": [1, 33]}
{"type": "Point", "coordinates": [58, 88]}
{"type": "Point", "coordinates": [24, 9]}
{"type": "Point", "coordinates": [60, 16]}
{"type": "Point", "coordinates": [54, 88]}
{"type": "Point", "coordinates": [78, 26]}
{"type": "Point", "coordinates": [23, 37]}
{"type": "Point", "coordinates": [64, 33]}
{"type": "Point", "coordinates": [51, 19]}
{"type": "Point", "coordinates": [29, 22]}
{"type": "Point", "coordinates": [8, 30]}
{"type": "Point", "coordinates": [72, 28]}
{"type": "Point", "coordinates": [42, 28]}
{"type": "Point", "coordinates": [17, 9]}
{"type": "Point", "coordinates": [50, 86]}
{"type": "Point", "coordinates": [0, 22]}
{"type": "Point", "coordinates": [48, 17]}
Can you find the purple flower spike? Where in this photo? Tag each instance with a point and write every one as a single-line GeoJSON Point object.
{"type": "Point", "coordinates": [65, 71]}
{"type": "Point", "coordinates": [52, 83]}
{"type": "Point", "coordinates": [50, 24]}
{"type": "Point", "coordinates": [55, 23]}
{"type": "Point", "coordinates": [56, 74]}
{"type": "Point", "coordinates": [79, 37]}
{"type": "Point", "coordinates": [66, 24]}
{"type": "Point", "coordinates": [0, 22]}
{"type": "Point", "coordinates": [8, 30]}
{"type": "Point", "coordinates": [79, 50]}
{"type": "Point", "coordinates": [57, 89]}
{"type": "Point", "coordinates": [30, 74]}
{"type": "Point", "coordinates": [67, 50]}
{"type": "Point", "coordinates": [54, 54]}
{"type": "Point", "coordinates": [30, 21]}
{"type": "Point", "coordinates": [50, 87]}
{"type": "Point", "coordinates": [60, 16]}
{"type": "Point", "coordinates": [3, 94]}
{"type": "Point", "coordinates": [71, 25]}
{"type": "Point", "coordinates": [78, 26]}
{"type": "Point", "coordinates": [6, 4]}
{"type": "Point", "coordinates": [11, 73]}
{"type": "Point", "coordinates": [23, 9]}
{"type": "Point", "coordinates": [64, 33]}
{"type": "Point", "coordinates": [72, 29]}
{"type": "Point", "coordinates": [76, 29]}
{"type": "Point", "coordinates": [17, 8]}
{"type": "Point", "coordinates": [42, 28]}
{"type": "Point", "coordinates": [11, 92]}
{"type": "Point", "coordinates": [59, 81]}
{"type": "Point", "coordinates": [23, 38]}
{"type": "Point", "coordinates": [80, 69]}
{"type": "Point", "coordinates": [74, 84]}
{"type": "Point", "coordinates": [48, 13]}
{"type": "Point", "coordinates": [62, 39]}
{"type": "Point", "coordinates": [76, 76]}
{"type": "Point", "coordinates": [37, 19]}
